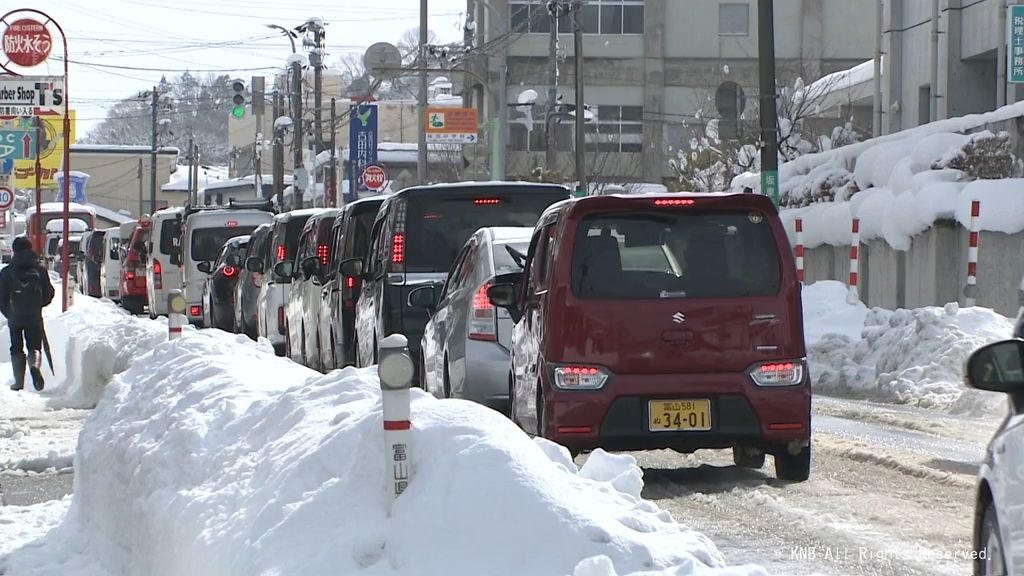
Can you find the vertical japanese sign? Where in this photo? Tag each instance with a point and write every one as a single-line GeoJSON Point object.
{"type": "Point", "coordinates": [362, 145]}
{"type": "Point", "coordinates": [1015, 41]}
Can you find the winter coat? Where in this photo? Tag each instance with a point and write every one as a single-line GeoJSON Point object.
{"type": "Point", "coordinates": [23, 259]}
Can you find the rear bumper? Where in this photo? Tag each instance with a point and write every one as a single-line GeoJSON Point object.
{"type": "Point", "coordinates": [617, 416]}
{"type": "Point", "coordinates": [486, 378]}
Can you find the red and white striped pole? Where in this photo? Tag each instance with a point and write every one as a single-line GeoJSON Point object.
{"type": "Point", "coordinates": [396, 371]}
{"type": "Point", "coordinates": [800, 249]}
{"type": "Point", "coordinates": [854, 295]}
{"type": "Point", "coordinates": [970, 291]}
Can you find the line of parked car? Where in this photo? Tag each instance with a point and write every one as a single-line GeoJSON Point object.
{"type": "Point", "coordinates": [624, 322]}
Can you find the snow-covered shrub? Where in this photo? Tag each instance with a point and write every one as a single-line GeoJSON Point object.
{"type": "Point", "coordinates": [985, 156]}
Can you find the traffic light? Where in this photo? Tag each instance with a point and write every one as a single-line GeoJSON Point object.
{"type": "Point", "coordinates": [238, 111]}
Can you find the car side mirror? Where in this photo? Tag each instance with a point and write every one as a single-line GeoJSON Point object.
{"type": "Point", "coordinates": [352, 267]}
{"type": "Point", "coordinates": [504, 296]}
{"type": "Point", "coordinates": [997, 367]}
{"type": "Point", "coordinates": [254, 264]}
{"type": "Point", "coordinates": [285, 268]}
{"type": "Point", "coordinates": [310, 266]}
{"type": "Point", "coordinates": [205, 267]}
{"type": "Point", "coordinates": [424, 297]}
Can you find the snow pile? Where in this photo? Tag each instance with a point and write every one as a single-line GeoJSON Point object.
{"type": "Point", "coordinates": [219, 458]}
{"type": "Point", "coordinates": [911, 357]}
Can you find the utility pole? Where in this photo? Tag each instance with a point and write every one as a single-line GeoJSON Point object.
{"type": "Point", "coordinates": [297, 164]}
{"type": "Point", "coordinates": [421, 147]}
{"type": "Point", "coordinates": [40, 239]}
{"type": "Point", "coordinates": [191, 166]}
{"type": "Point", "coordinates": [550, 155]}
{"type": "Point", "coordinates": [152, 159]}
{"type": "Point", "coordinates": [581, 117]}
{"type": "Point", "coordinates": [142, 194]}
{"type": "Point", "coordinates": [316, 60]}
{"type": "Point", "coordinates": [195, 177]}
{"type": "Point", "coordinates": [258, 89]}
{"type": "Point", "coordinates": [278, 169]}
{"type": "Point", "coordinates": [769, 118]}
{"type": "Point", "coordinates": [335, 197]}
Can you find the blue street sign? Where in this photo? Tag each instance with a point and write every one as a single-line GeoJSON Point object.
{"type": "Point", "coordinates": [78, 180]}
{"type": "Point", "coordinates": [1015, 38]}
{"type": "Point", "coordinates": [362, 145]}
{"type": "Point", "coordinates": [17, 144]}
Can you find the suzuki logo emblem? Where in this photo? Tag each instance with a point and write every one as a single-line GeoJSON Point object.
{"type": "Point", "coordinates": [679, 317]}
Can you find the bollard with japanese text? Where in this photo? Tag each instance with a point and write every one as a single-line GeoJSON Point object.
{"type": "Point", "coordinates": [396, 372]}
{"type": "Point", "coordinates": [175, 314]}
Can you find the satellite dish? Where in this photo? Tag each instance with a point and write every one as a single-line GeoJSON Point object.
{"type": "Point", "coordinates": [381, 57]}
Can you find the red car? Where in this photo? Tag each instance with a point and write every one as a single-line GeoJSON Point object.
{"type": "Point", "coordinates": [662, 321]}
{"type": "Point", "coordinates": [133, 269]}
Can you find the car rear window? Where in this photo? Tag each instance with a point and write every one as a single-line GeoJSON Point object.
{"type": "Point", "coordinates": [207, 242]}
{"type": "Point", "coordinates": [360, 245]}
{"type": "Point", "coordinates": [292, 231]}
{"type": "Point", "coordinates": [437, 225]}
{"type": "Point", "coordinates": [503, 260]}
{"type": "Point", "coordinates": [169, 237]}
{"type": "Point", "coordinates": [675, 255]}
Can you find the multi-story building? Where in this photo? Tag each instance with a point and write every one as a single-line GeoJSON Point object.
{"type": "Point", "coordinates": [650, 70]}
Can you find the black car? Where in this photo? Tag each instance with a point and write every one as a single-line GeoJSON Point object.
{"type": "Point", "coordinates": [90, 260]}
{"type": "Point", "coordinates": [247, 292]}
{"type": "Point", "coordinates": [219, 288]}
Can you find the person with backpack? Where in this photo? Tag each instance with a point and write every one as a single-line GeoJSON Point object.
{"type": "Point", "coordinates": [25, 289]}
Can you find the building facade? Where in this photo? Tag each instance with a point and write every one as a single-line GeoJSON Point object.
{"type": "Point", "coordinates": [650, 70]}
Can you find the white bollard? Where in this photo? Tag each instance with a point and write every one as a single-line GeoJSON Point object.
{"type": "Point", "coordinates": [396, 371]}
{"type": "Point", "coordinates": [175, 314]}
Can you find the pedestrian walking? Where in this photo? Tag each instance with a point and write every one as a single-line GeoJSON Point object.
{"type": "Point", "coordinates": [25, 289]}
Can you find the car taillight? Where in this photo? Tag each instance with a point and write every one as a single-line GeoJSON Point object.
{"type": "Point", "coordinates": [777, 374]}
{"type": "Point", "coordinates": [230, 271]}
{"type": "Point", "coordinates": [483, 324]}
{"type": "Point", "coordinates": [158, 281]}
{"type": "Point", "coordinates": [486, 201]}
{"type": "Point", "coordinates": [674, 202]}
{"type": "Point", "coordinates": [397, 248]}
{"type": "Point", "coordinates": [322, 253]}
{"type": "Point", "coordinates": [195, 310]}
{"type": "Point", "coordinates": [280, 320]}
{"type": "Point", "coordinates": [130, 275]}
{"type": "Point", "coordinates": [350, 282]}
{"type": "Point", "coordinates": [280, 252]}
{"type": "Point", "coordinates": [580, 377]}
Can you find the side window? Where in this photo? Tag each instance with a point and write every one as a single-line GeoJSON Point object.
{"type": "Point", "coordinates": [335, 249]}
{"type": "Point", "coordinates": [540, 263]}
{"type": "Point", "coordinates": [376, 258]}
{"type": "Point", "coordinates": [456, 273]}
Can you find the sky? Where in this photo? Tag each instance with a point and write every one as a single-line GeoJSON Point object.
{"type": "Point", "coordinates": [121, 47]}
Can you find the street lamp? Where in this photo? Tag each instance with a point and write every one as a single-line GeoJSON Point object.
{"type": "Point", "coordinates": [290, 34]}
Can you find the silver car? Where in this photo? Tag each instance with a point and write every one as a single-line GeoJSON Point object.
{"type": "Point", "coordinates": [465, 346]}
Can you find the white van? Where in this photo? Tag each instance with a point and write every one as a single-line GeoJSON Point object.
{"type": "Point", "coordinates": [163, 269]}
{"type": "Point", "coordinates": [204, 232]}
{"type": "Point", "coordinates": [110, 269]}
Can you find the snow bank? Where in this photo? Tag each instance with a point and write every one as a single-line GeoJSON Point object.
{"type": "Point", "coordinates": [911, 357]}
{"type": "Point", "coordinates": [218, 458]}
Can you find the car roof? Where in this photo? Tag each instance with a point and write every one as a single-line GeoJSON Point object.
{"type": "Point", "coordinates": [286, 216]}
{"type": "Point", "coordinates": [507, 234]}
{"type": "Point", "coordinates": [465, 186]}
{"type": "Point", "coordinates": [238, 239]}
{"type": "Point", "coordinates": [575, 207]}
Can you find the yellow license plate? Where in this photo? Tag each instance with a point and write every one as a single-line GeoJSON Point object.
{"type": "Point", "coordinates": [679, 415]}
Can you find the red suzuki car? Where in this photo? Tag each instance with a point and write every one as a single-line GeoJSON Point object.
{"type": "Point", "coordinates": [662, 321]}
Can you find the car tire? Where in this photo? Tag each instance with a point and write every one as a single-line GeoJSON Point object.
{"type": "Point", "coordinates": [512, 401]}
{"type": "Point", "coordinates": [288, 343]}
{"type": "Point", "coordinates": [542, 429]}
{"type": "Point", "coordinates": [447, 380]}
{"type": "Point", "coordinates": [991, 544]}
{"type": "Point", "coordinates": [793, 467]}
{"type": "Point", "coordinates": [745, 459]}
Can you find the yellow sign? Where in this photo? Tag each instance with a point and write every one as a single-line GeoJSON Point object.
{"type": "Point", "coordinates": [52, 155]}
{"type": "Point", "coordinates": [451, 125]}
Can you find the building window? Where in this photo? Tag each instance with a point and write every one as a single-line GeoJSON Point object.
{"type": "Point", "coordinates": [734, 19]}
{"type": "Point", "coordinates": [599, 17]}
{"type": "Point", "coordinates": [617, 129]}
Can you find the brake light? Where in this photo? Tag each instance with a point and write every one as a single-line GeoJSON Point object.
{"type": "Point", "coordinates": [231, 223]}
{"type": "Point", "coordinates": [674, 202]}
{"type": "Point", "coordinates": [280, 320]}
{"type": "Point", "coordinates": [195, 310]}
{"type": "Point", "coordinates": [778, 374]}
{"type": "Point", "coordinates": [483, 325]}
{"type": "Point", "coordinates": [580, 377]}
{"type": "Point", "coordinates": [230, 271]}
{"type": "Point", "coordinates": [397, 248]}
{"type": "Point", "coordinates": [485, 201]}
{"type": "Point", "coordinates": [280, 252]}
{"type": "Point", "coordinates": [350, 282]}
{"type": "Point", "coordinates": [158, 282]}
{"type": "Point", "coordinates": [322, 252]}
{"type": "Point", "coordinates": [130, 275]}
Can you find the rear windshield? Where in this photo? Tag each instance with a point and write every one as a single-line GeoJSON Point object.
{"type": "Point", "coordinates": [675, 255]}
{"type": "Point", "coordinates": [360, 245]}
{"type": "Point", "coordinates": [503, 260]}
{"type": "Point", "coordinates": [169, 238]}
{"type": "Point", "coordinates": [236, 250]}
{"type": "Point", "coordinates": [207, 242]}
{"type": "Point", "coordinates": [437, 227]}
{"type": "Point", "coordinates": [292, 231]}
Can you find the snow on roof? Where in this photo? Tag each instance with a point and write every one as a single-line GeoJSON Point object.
{"type": "Point", "coordinates": [408, 153]}
{"type": "Point", "coordinates": [850, 84]}
{"type": "Point", "coordinates": [59, 207]}
{"type": "Point", "coordinates": [111, 215]}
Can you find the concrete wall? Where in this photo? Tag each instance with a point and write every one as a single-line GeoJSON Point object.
{"type": "Point", "coordinates": [931, 273]}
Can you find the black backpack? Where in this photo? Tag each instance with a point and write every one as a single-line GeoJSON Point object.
{"type": "Point", "coordinates": [27, 292]}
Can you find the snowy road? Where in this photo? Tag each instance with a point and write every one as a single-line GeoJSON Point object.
{"type": "Point", "coordinates": [891, 492]}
